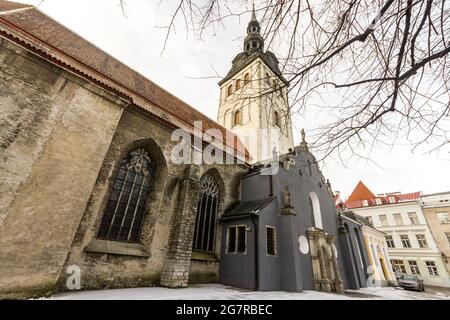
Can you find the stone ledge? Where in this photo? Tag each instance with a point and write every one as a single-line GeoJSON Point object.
{"type": "Point", "coordinates": [204, 256]}
{"type": "Point", "coordinates": [116, 247]}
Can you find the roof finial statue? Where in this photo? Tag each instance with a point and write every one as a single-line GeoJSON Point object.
{"type": "Point", "coordinates": [287, 206]}
{"type": "Point", "coordinates": [304, 144]}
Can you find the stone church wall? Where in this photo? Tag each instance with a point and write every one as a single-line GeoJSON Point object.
{"type": "Point", "coordinates": [61, 143]}
{"type": "Point", "coordinates": [55, 131]}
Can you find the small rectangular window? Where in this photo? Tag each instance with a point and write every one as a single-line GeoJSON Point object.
{"type": "Point", "coordinates": [271, 241]}
{"type": "Point", "coordinates": [237, 240]}
{"type": "Point", "coordinates": [447, 234]}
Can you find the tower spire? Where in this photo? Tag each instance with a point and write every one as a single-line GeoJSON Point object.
{"type": "Point", "coordinates": [254, 13]}
{"type": "Point", "coordinates": [253, 41]}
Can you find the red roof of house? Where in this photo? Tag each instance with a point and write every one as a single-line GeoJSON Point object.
{"type": "Point", "coordinates": [42, 35]}
{"type": "Point", "coordinates": [398, 198]}
{"type": "Point", "coordinates": [361, 192]}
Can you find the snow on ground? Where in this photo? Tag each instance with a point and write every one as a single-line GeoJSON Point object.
{"type": "Point", "coordinates": [219, 292]}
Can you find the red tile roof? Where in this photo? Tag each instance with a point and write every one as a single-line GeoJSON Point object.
{"type": "Point", "coordinates": [399, 198]}
{"type": "Point", "coordinates": [44, 36]}
{"type": "Point", "coordinates": [361, 192]}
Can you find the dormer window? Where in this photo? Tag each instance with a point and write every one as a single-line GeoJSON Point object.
{"type": "Point", "coordinates": [392, 199]}
{"type": "Point", "coordinates": [378, 201]}
{"type": "Point", "coordinates": [365, 203]}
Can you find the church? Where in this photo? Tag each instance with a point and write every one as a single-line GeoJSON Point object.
{"type": "Point", "coordinates": [89, 188]}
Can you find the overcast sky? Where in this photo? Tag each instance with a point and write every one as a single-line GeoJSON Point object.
{"type": "Point", "coordinates": [137, 40]}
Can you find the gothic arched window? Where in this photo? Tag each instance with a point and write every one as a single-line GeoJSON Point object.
{"type": "Point", "coordinates": [316, 215]}
{"type": "Point", "coordinates": [238, 84]}
{"type": "Point", "coordinates": [125, 210]}
{"type": "Point", "coordinates": [230, 90]}
{"type": "Point", "coordinates": [237, 118]}
{"type": "Point", "coordinates": [246, 78]}
{"type": "Point", "coordinates": [207, 209]}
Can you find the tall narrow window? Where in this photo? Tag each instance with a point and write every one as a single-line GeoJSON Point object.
{"type": "Point", "coordinates": [271, 248]}
{"type": "Point", "coordinates": [315, 210]}
{"type": "Point", "coordinates": [230, 90]}
{"type": "Point", "coordinates": [237, 118]}
{"type": "Point", "coordinates": [276, 118]}
{"type": "Point", "coordinates": [126, 206]}
{"type": "Point", "coordinates": [208, 205]}
{"type": "Point", "coordinates": [238, 84]}
{"type": "Point", "coordinates": [237, 240]}
{"type": "Point", "coordinates": [246, 78]}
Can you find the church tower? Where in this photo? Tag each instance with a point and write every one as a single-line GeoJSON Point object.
{"type": "Point", "coordinates": [254, 99]}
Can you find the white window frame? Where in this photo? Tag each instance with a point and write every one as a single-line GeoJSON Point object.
{"type": "Point", "coordinates": [443, 221]}
{"type": "Point", "coordinates": [386, 221]}
{"type": "Point", "coordinates": [390, 240]}
{"type": "Point", "coordinates": [423, 243]}
{"type": "Point", "coordinates": [416, 218]}
{"type": "Point", "coordinates": [397, 216]}
{"type": "Point", "coordinates": [407, 239]}
{"type": "Point", "coordinates": [397, 266]}
{"type": "Point", "coordinates": [432, 269]}
{"type": "Point", "coordinates": [414, 268]}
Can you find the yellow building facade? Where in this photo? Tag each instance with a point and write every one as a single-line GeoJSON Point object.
{"type": "Point", "coordinates": [381, 269]}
